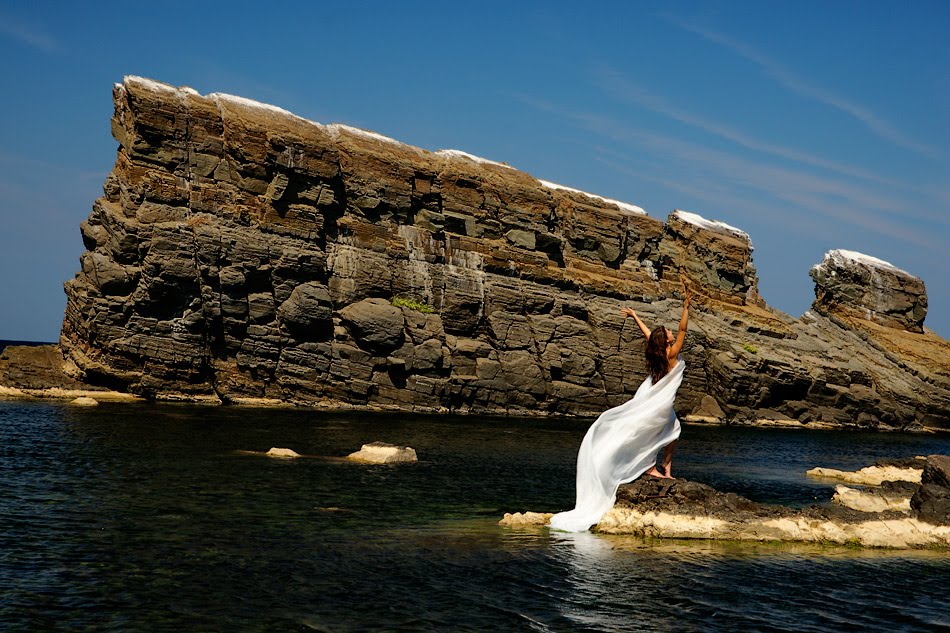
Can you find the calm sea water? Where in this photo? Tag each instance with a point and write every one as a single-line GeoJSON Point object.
{"type": "Point", "coordinates": [144, 518]}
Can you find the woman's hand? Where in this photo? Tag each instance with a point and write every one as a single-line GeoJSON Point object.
{"type": "Point", "coordinates": [628, 312]}
{"type": "Point", "coordinates": [688, 294]}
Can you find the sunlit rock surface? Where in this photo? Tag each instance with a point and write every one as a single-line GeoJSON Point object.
{"type": "Point", "coordinates": [240, 253]}
{"type": "Point", "coordinates": [890, 495]}
{"type": "Point", "coordinates": [874, 475]}
{"type": "Point", "coordinates": [383, 453]}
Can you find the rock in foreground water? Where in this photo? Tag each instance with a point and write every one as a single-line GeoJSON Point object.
{"type": "Point", "coordinates": [383, 453]}
{"type": "Point", "coordinates": [282, 452]}
{"type": "Point", "coordinates": [84, 401]}
{"type": "Point", "coordinates": [653, 507]}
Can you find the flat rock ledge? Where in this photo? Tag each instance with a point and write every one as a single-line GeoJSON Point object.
{"type": "Point", "coordinates": [383, 453]}
{"type": "Point", "coordinates": [650, 507]}
{"type": "Point", "coordinates": [874, 475]}
{"type": "Point", "coordinates": [890, 495]}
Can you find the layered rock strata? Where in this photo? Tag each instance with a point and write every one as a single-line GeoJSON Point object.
{"type": "Point", "coordinates": [240, 252]}
{"type": "Point", "coordinates": [853, 284]}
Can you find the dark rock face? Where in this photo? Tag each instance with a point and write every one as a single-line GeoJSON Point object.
{"type": "Point", "coordinates": [691, 498]}
{"type": "Point", "coordinates": [936, 471]}
{"type": "Point", "coordinates": [242, 252]}
{"type": "Point", "coordinates": [931, 502]}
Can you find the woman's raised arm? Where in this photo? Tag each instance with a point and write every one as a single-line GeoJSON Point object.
{"type": "Point", "coordinates": [681, 335]}
{"type": "Point", "coordinates": [643, 328]}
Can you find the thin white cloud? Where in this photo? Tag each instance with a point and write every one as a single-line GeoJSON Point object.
{"type": "Point", "coordinates": [617, 85]}
{"type": "Point", "coordinates": [719, 200]}
{"type": "Point", "coordinates": [796, 84]}
{"type": "Point", "coordinates": [831, 198]}
{"type": "Point", "coordinates": [28, 35]}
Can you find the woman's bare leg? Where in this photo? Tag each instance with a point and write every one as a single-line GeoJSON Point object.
{"type": "Point", "coordinates": [668, 459]}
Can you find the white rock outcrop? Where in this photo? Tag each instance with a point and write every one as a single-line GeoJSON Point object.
{"type": "Point", "coordinates": [383, 453]}
{"type": "Point", "coordinates": [870, 501]}
{"type": "Point", "coordinates": [869, 476]}
{"type": "Point", "coordinates": [282, 452]}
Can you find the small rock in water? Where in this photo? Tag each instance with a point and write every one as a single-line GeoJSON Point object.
{"type": "Point", "coordinates": [524, 519]}
{"type": "Point", "coordinates": [383, 453]}
{"type": "Point", "coordinates": [84, 401]}
{"type": "Point", "coordinates": [282, 452]}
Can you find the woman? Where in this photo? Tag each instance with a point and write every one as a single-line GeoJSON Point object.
{"type": "Point", "coordinates": [623, 442]}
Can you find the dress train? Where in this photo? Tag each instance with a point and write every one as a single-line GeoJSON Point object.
{"type": "Point", "coordinates": [620, 446]}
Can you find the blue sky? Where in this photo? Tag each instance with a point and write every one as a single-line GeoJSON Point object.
{"type": "Point", "coordinates": [810, 125]}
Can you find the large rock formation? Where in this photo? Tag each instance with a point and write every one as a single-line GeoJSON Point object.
{"type": "Point", "coordinates": [240, 252]}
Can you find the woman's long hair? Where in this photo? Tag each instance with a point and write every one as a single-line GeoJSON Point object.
{"type": "Point", "coordinates": [657, 361]}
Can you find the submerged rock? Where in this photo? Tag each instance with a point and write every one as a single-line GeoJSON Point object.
{"type": "Point", "coordinates": [383, 453]}
{"type": "Point", "coordinates": [523, 519]}
{"type": "Point", "coordinates": [282, 452]}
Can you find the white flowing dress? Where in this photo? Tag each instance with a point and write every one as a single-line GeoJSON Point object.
{"type": "Point", "coordinates": [620, 446]}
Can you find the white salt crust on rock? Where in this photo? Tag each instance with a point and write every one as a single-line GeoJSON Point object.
{"type": "Point", "coordinates": [710, 225]}
{"type": "Point", "coordinates": [457, 153]}
{"type": "Point", "coordinates": [626, 206]}
{"type": "Point", "coordinates": [845, 258]}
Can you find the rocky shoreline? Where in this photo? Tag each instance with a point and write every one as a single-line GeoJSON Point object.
{"type": "Point", "coordinates": [681, 509]}
{"type": "Point", "coordinates": [243, 255]}
{"type": "Point", "coordinates": [48, 381]}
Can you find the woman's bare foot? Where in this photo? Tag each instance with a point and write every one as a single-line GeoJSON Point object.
{"type": "Point", "coordinates": [655, 472]}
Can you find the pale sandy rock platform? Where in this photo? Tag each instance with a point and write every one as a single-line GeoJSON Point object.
{"type": "Point", "coordinates": [874, 475]}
